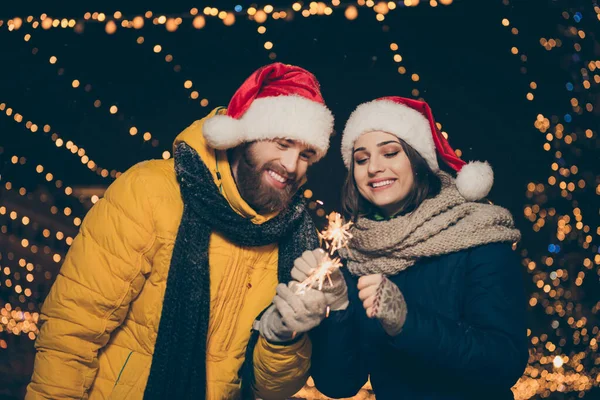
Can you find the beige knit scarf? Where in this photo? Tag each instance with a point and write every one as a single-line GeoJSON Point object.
{"type": "Point", "coordinates": [441, 225]}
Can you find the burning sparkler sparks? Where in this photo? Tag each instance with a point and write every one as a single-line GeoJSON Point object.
{"type": "Point", "coordinates": [317, 277]}
{"type": "Point", "coordinates": [337, 233]}
{"type": "Point", "coordinates": [335, 236]}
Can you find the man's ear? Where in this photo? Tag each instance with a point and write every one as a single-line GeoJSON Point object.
{"type": "Point", "coordinates": [233, 156]}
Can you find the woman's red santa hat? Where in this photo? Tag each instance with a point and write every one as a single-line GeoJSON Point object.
{"type": "Point", "coordinates": [276, 101]}
{"type": "Point", "coordinates": [412, 121]}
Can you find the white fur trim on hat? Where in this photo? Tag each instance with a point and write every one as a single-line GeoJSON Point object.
{"type": "Point", "coordinates": [387, 116]}
{"type": "Point", "coordinates": [474, 180]}
{"type": "Point", "coordinates": [288, 117]}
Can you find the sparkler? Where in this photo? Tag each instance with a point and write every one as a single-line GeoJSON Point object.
{"type": "Point", "coordinates": [335, 237]}
{"type": "Point", "coordinates": [337, 233]}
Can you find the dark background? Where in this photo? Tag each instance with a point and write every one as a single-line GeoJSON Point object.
{"type": "Point", "coordinates": [461, 52]}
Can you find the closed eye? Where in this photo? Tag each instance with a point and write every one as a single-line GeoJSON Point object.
{"type": "Point", "coordinates": [392, 155]}
{"type": "Point", "coordinates": [361, 161]}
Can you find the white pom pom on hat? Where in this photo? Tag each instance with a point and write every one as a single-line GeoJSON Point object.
{"type": "Point", "coordinates": [475, 180]}
{"type": "Point", "coordinates": [412, 121]}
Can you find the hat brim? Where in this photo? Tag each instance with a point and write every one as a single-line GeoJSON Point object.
{"type": "Point", "coordinates": [287, 117]}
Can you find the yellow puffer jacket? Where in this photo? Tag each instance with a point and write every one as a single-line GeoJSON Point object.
{"type": "Point", "coordinates": [103, 312]}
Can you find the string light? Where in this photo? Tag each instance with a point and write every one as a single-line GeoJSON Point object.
{"type": "Point", "coordinates": [18, 322]}
{"type": "Point", "coordinates": [23, 275]}
{"type": "Point", "coordinates": [57, 139]}
{"type": "Point", "coordinates": [33, 237]}
{"type": "Point", "coordinates": [198, 21]}
{"type": "Point", "coordinates": [113, 109]}
{"type": "Point", "coordinates": [25, 243]}
{"type": "Point", "coordinates": [169, 58]}
{"type": "Point", "coordinates": [49, 177]}
{"type": "Point", "coordinates": [549, 369]}
{"type": "Point", "coordinates": [228, 17]}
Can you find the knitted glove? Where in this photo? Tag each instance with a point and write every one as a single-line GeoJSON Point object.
{"type": "Point", "coordinates": [383, 300]}
{"type": "Point", "coordinates": [300, 312]}
{"type": "Point", "coordinates": [272, 328]}
{"type": "Point", "coordinates": [292, 313]}
{"type": "Point", "coordinates": [336, 295]}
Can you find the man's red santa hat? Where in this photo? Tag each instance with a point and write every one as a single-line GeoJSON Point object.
{"type": "Point", "coordinates": [276, 101]}
{"type": "Point", "coordinates": [412, 121]}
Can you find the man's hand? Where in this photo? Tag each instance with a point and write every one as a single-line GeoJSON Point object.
{"type": "Point", "coordinates": [292, 313]}
{"type": "Point", "coordinates": [272, 328]}
{"type": "Point", "coordinates": [336, 292]}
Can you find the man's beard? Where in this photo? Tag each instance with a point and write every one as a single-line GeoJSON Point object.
{"type": "Point", "coordinates": [261, 196]}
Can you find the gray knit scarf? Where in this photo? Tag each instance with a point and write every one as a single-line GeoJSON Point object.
{"type": "Point", "coordinates": [441, 225]}
{"type": "Point", "coordinates": [178, 368]}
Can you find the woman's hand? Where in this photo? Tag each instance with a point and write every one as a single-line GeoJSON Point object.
{"type": "Point", "coordinates": [383, 300]}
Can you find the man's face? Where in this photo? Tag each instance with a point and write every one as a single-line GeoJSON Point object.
{"type": "Point", "coordinates": [269, 172]}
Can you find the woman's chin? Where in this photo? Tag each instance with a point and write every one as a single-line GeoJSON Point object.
{"type": "Point", "coordinates": [386, 203]}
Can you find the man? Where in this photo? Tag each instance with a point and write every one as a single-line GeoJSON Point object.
{"type": "Point", "coordinates": [160, 291]}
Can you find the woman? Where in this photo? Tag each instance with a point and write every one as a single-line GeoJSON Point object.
{"type": "Point", "coordinates": [436, 301]}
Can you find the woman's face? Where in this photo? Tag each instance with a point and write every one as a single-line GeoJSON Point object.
{"type": "Point", "coordinates": [382, 170]}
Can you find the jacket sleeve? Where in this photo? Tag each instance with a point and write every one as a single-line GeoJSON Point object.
{"type": "Point", "coordinates": [489, 344]}
{"type": "Point", "coordinates": [337, 369]}
{"type": "Point", "coordinates": [102, 273]}
{"type": "Point", "coordinates": [281, 370]}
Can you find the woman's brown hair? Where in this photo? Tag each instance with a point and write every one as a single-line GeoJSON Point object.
{"type": "Point", "coordinates": [425, 184]}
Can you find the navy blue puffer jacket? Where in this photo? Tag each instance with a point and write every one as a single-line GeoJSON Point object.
{"type": "Point", "coordinates": [464, 337]}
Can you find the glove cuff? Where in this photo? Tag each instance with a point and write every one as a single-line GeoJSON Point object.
{"type": "Point", "coordinates": [286, 342]}
{"type": "Point", "coordinates": [340, 305]}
